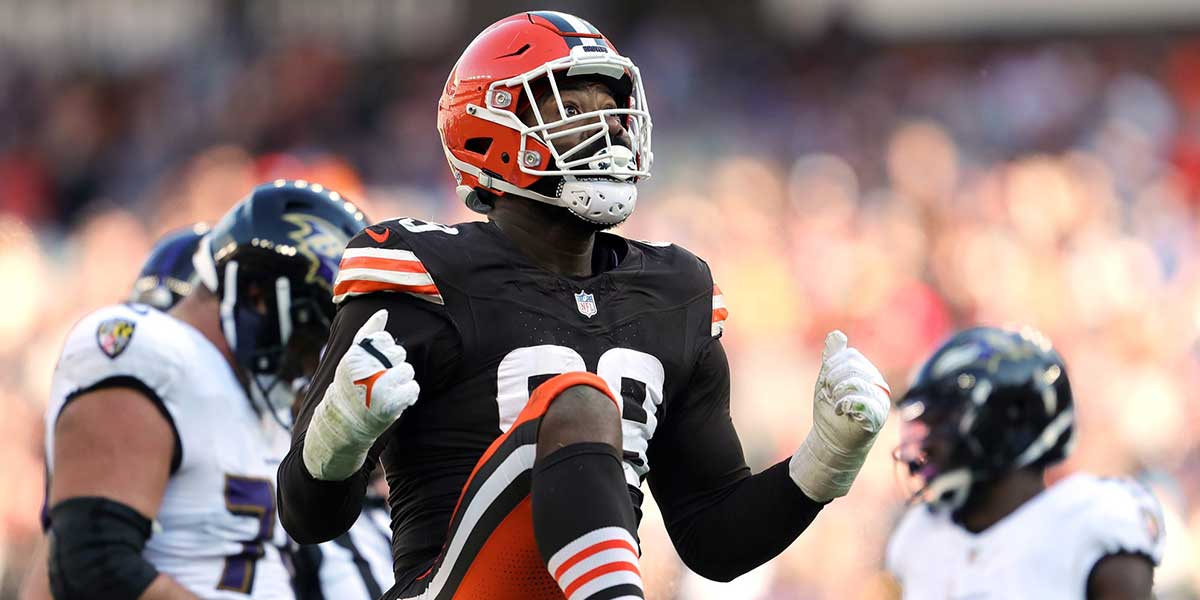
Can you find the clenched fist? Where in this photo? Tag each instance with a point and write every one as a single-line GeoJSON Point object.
{"type": "Point", "coordinates": [371, 387]}
{"type": "Point", "coordinates": [850, 405]}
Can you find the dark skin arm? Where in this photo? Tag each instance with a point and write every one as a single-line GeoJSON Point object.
{"type": "Point", "coordinates": [1121, 577]}
{"type": "Point", "coordinates": [315, 511]}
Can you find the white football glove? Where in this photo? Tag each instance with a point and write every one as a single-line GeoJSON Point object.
{"type": "Point", "coordinates": [370, 389]}
{"type": "Point", "coordinates": [850, 405]}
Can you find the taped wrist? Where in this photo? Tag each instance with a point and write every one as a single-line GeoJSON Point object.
{"type": "Point", "coordinates": [336, 443]}
{"type": "Point", "coordinates": [821, 470]}
{"type": "Point", "coordinates": [96, 550]}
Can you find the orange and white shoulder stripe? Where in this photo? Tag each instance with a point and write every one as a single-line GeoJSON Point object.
{"type": "Point", "coordinates": [719, 312]}
{"type": "Point", "coordinates": [371, 270]}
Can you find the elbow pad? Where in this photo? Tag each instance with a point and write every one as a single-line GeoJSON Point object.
{"type": "Point", "coordinates": [96, 550]}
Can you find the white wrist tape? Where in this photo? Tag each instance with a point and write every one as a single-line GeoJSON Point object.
{"type": "Point", "coordinates": [336, 443]}
{"type": "Point", "coordinates": [821, 470]}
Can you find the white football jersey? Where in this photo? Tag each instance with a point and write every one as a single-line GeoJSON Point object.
{"type": "Point", "coordinates": [358, 563]}
{"type": "Point", "coordinates": [217, 532]}
{"type": "Point", "coordinates": [1046, 549]}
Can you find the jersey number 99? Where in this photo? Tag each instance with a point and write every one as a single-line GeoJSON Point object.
{"type": "Point", "coordinates": [638, 378]}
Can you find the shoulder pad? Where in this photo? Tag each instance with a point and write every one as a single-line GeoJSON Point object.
{"type": "Point", "coordinates": [654, 243]}
{"type": "Point", "coordinates": [399, 233]}
{"type": "Point", "coordinates": [686, 271]}
{"type": "Point", "coordinates": [1120, 516]}
{"type": "Point", "coordinates": [693, 273]}
{"type": "Point", "coordinates": [697, 275]}
{"type": "Point", "coordinates": [381, 258]}
{"type": "Point", "coordinates": [129, 340]}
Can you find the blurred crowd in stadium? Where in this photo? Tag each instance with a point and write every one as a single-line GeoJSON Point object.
{"type": "Point", "coordinates": [894, 191]}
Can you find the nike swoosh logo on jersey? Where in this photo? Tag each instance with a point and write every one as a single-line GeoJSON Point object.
{"type": "Point", "coordinates": [379, 239]}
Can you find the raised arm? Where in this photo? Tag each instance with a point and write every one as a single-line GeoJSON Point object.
{"type": "Point", "coordinates": [349, 435]}
{"type": "Point", "coordinates": [725, 521]}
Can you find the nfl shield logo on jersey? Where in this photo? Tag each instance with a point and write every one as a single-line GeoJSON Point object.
{"type": "Point", "coordinates": [113, 336]}
{"type": "Point", "coordinates": [586, 303]}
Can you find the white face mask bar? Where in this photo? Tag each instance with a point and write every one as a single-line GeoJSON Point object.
{"type": "Point", "coordinates": [283, 306]}
{"type": "Point", "coordinates": [228, 303]}
{"type": "Point", "coordinates": [613, 160]}
{"type": "Point", "coordinates": [949, 490]}
{"type": "Point", "coordinates": [274, 396]}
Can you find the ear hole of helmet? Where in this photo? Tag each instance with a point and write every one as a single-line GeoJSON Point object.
{"type": "Point", "coordinates": [479, 145]}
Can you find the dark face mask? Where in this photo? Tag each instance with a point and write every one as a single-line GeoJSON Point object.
{"type": "Point", "coordinates": [275, 366]}
{"type": "Point", "coordinates": [929, 445]}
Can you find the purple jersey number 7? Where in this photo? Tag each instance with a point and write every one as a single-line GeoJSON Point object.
{"type": "Point", "coordinates": [249, 497]}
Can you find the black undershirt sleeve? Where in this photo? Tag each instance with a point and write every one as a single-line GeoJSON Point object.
{"type": "Point", "coordinates": [315, 511]}
{"type": "Point", "coordinates": [722, 520]}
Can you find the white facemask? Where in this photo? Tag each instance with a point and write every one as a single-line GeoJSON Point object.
{"type": "Point", "coordinates": [598, 185]}
{"type": "Point", "coordinates": [277, 397]}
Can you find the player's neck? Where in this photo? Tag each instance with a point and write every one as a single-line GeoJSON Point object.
{"type": "Point", "coordinates": [991, 503]}
{"type": "Point", "coordinates": [555, 240]}
{"type": "Point", "coordinates": [200, 310]}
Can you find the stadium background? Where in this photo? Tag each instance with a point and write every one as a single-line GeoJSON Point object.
{"type": "Point", "coordinates": [894, 168]}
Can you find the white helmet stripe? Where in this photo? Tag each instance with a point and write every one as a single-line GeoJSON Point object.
{"type": "Point", "coordinates": [580, 26]}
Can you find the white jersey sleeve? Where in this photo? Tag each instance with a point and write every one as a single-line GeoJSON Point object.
{"type": "Point", "coordinates": [358, 564]}
{"type": "Point", "coordinates": [1044, 550]}
{"type": "Point", "coordinates": [217, 532]}
{"type": "Point", "coordinates": [126, 345]}
{"type": "Point", "coordinates": [900, 546]}
{"type": "Point", "coordinates": [1123, 517]}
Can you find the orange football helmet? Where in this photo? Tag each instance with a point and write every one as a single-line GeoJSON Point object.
{"type": "Point", "coordinates": [491, 149]}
